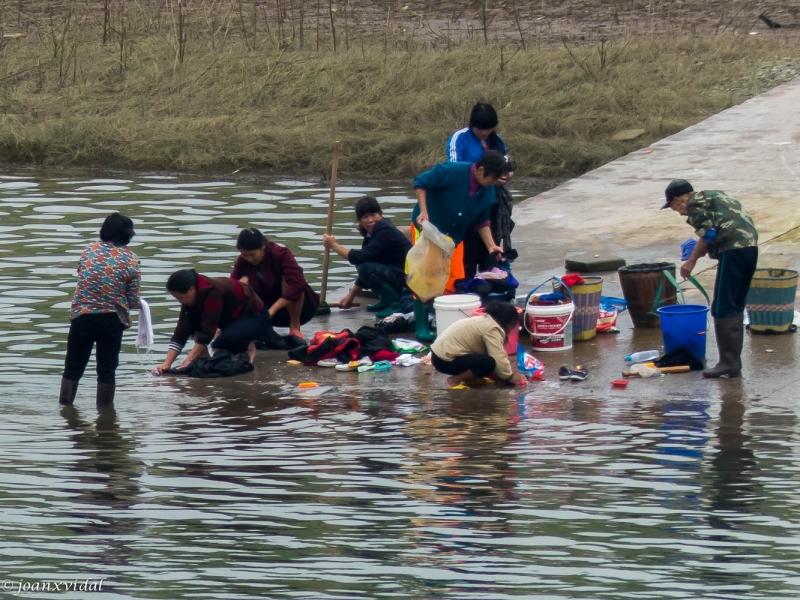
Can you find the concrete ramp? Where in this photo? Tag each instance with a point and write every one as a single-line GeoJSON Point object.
{"type": "Point", "coordinates": [751, 150]}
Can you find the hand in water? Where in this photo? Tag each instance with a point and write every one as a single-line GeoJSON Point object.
{"type": "Point", "coordinates": [518, 379]}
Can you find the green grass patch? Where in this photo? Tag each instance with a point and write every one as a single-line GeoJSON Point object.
{"type": "Point", "coordinates": [228, 107]}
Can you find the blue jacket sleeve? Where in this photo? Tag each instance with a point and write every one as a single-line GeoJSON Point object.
{"type": "Point", "coordinates": [457, 146]}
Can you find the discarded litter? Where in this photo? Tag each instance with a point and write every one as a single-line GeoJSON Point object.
{"type": "Point", "coordinates": [293, 362]}
{"type": "Point", "coordinates": [647, 370]}
{"type": "Point", "coordinates": [308, 384]}
{"type": "Point", "coordinates": [643, 357]}
{"type": "Point", "coordinates": [619, 383]}
{"type": "Point", "coordinates": [644, 370]}
{"type": "Point", "coordinates": [314, 392]}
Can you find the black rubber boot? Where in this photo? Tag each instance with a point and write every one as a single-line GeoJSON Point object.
{"type": "Point", "coordinates": [421, 328]}
{"type": "Point", "coordinates": [730, 338]}
{"type": "Point", "coordinates": [69, 389]}
{"type": "Point", "coordinates": [105, 394]}
{"type": "Point", "coordinates": [387, 298]}
{"type": "Point", "coordinates": [739, 342]}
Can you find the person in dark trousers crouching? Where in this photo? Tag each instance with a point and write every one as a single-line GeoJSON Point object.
{"type": "Point", "coordinates": [216, 311]}
{"type": "Point", "coordinates": [273, 273]}
{"type": "Point", "coordinates": [381, 260]}
{"type": "Point", "coordinates": [108, 288]}
{"type": "Point", "coordinates": [726, 233]}
{"type": "Point", "coordinates": [473, 348]}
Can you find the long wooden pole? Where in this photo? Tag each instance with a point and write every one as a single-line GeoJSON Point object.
{"type": "Point", "coordinates": [329, 229]}
{"type": "Point", "coordinates": [681, 369]}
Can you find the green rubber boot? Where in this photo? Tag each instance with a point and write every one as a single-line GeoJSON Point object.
{"type": "Point", "coordinates": [382, 314]}
{"type": "Point", "coordinates": [421, 328]}
{"type": "Point", "coordinates": [387, 298]}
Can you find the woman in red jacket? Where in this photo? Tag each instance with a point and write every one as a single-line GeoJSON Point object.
{"type": "Point", "coordinates": [215, 311]}
{"type": "Point", "coordinates": [273, 273]}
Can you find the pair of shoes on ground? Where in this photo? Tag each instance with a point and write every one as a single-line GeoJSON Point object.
{"type": "Point", "coordinates": [575, 374]}
{"type": "Point", "coordinates": [348, 366]}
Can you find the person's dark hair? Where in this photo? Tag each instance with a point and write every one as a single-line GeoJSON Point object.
{"type": "Point", "coordinates": [493, 163]}
{"type": "Point", "coordinates": [504, 313]}
{"type": "Point", "coordinates": [483, 116]}
{"type": "Point", "coordinates": [181, 281]}
{"type": "Point", "coordinates": [511, 164]}
{"type": "Point", "coordinates": [250, 239]}
{"type": "Point", "coordinates": [117, 228]}
{"type": "Point", "coordinates": [367, 206]}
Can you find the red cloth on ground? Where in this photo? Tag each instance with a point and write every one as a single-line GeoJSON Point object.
{"type": "Point", "coordinates": [385, 355]}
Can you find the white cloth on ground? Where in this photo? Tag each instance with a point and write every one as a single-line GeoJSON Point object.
{"type": "Point", "coordinates": [407, 360]}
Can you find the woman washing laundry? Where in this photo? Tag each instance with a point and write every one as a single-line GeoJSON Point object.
{"type": "Point", "coordinates": [271, 270]}
{"type": "Point", "coordinates": [472, 348]}
{"type": "Point", "coordinates": [217, 311]}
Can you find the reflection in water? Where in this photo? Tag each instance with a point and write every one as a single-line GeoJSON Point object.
{"type": "Point", "coordinates": [383, 487]}
{"type": "Point", "coordinates": [456, 453]}
{"type": "Point", "coordinates": [734, 467]}
{"type": "Point", "coordinates": [108, 486]}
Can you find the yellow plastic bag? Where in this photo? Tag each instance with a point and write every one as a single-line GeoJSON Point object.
{"type": "Point", "coordinates": [428, 263]}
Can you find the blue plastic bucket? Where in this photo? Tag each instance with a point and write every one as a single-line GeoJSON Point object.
{"type": "Point", "coordinates": [684, 326]}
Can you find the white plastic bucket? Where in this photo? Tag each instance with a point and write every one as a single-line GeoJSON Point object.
{"type": "Point", "coordinates": [550, 326]}
{"type": "Point", "coordinates": [454, 307]}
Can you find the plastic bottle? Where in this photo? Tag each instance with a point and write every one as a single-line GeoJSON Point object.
{"type": "Point", "coordinates": [644, 356]}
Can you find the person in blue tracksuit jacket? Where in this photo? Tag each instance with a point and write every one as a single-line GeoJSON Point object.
{"type": "Point", "coordinates": [468, 145]}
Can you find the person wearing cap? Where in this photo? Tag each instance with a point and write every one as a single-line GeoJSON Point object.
{"type": "Point", "coordinates": [468, 144]}
{"type": "Point", "coordinates": [726, 233]}
{"type": "Point", "coordinates": [380, 262]}
{"type": "Point", "coordinates": [456, 197]}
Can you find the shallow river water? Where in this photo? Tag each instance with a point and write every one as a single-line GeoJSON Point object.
{"type": "Point", "coordinates": [243, 489]}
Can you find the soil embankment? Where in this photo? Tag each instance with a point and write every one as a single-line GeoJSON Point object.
{"type": "Point", "coordinates": [267, 86]}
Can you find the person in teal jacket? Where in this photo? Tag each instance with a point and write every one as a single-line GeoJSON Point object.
{"type": "Point", "coordinates": [455, 197]}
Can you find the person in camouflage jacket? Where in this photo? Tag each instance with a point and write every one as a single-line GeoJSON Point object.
{"type": "Point", "coordinates": [726, 233]}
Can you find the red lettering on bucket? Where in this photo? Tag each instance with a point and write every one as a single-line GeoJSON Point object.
{"type": "Point", "coordinates": [548, 331]}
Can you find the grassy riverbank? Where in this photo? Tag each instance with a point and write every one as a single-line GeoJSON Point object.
{"type": "Point", "coordinates": [228, 107]}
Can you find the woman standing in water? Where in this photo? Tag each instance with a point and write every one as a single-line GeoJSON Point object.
{"type": "Point", "coordinates": [108, 288]}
